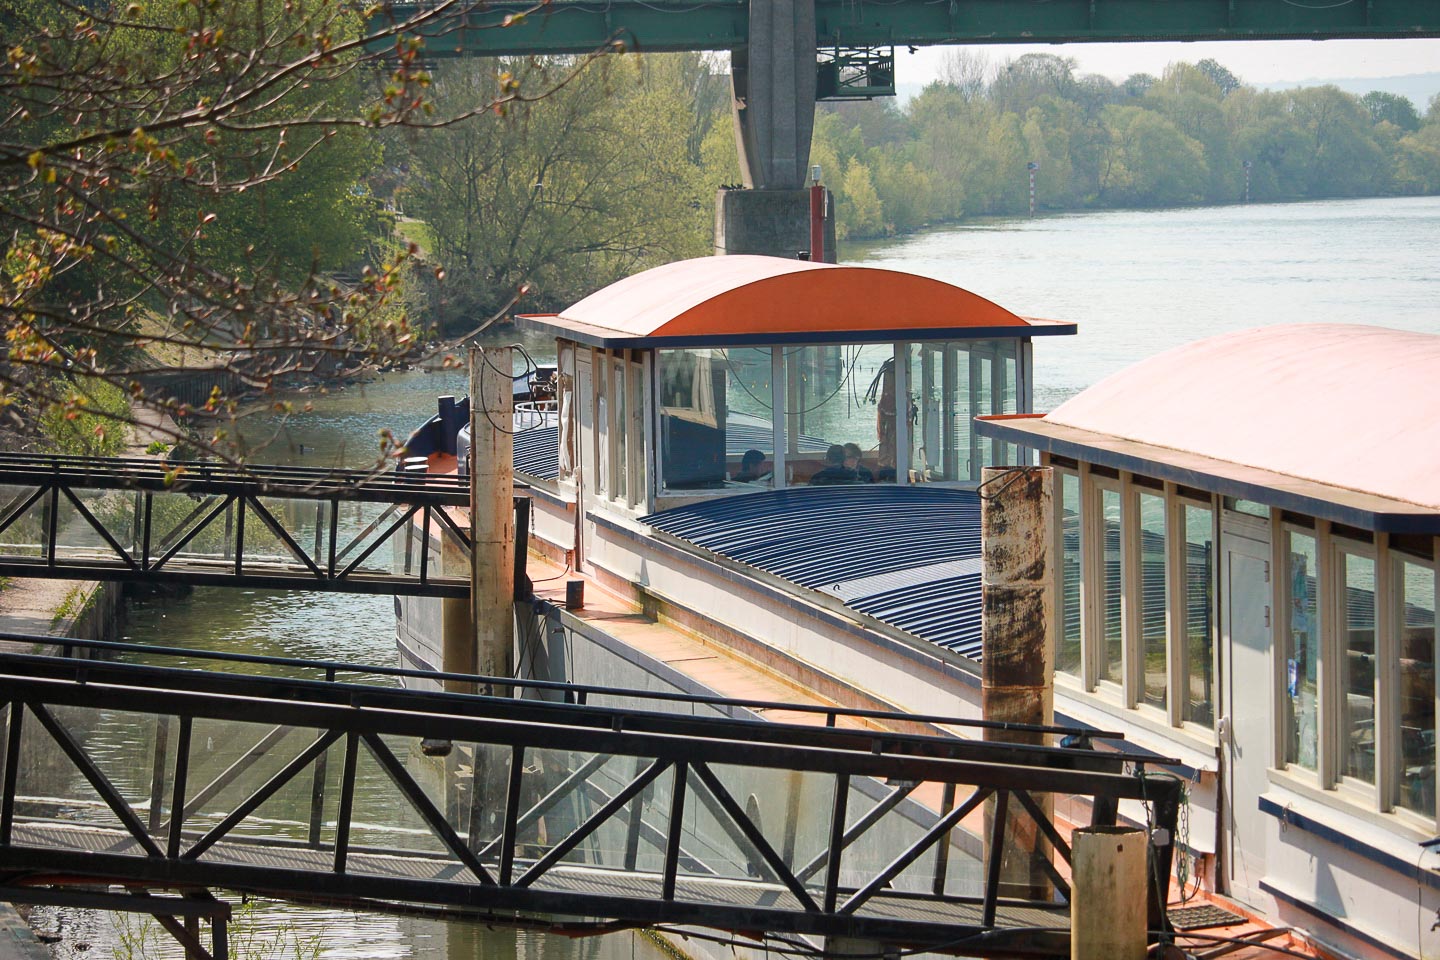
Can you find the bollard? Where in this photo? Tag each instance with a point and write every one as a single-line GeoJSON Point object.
{"type": "Point", "coordinates": [1107, 902]}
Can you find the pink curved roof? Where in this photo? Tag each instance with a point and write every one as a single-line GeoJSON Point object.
{"type": "Point", "coordinates": [743, 294]}
{"type": "Point", "coordinates": [1351, 406]}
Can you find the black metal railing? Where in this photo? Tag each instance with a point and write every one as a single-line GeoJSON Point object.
{"type": "Point", "coordinates": [143, 520]}
{"type": "Point", "coordinates": [545, 808]}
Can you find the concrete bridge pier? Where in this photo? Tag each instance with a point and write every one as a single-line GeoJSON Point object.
{"type": "Point", "coordinates": [773, 84]}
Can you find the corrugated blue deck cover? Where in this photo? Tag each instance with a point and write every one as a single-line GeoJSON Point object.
{"type": "Point", "coordinates": [537, 452]}
{"type": "Point", "coordinates": [908, 556]}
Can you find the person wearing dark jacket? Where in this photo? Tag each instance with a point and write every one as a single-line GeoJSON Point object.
{"type": "Point", "coordinates": [835, 471]}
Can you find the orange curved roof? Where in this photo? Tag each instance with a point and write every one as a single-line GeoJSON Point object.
{"type": "Point", "coordinates": [740, 298]}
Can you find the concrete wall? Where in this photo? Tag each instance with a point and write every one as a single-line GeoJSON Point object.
{"type": "Point", "coordinates": [774, 223]}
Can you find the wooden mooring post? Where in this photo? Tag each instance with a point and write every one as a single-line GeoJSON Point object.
{"type": "Point", "coordinates": [488, 649]}
{"type": "Point", "coordinates": [1108, 904]}
{"type": "Point", "coordinates": [1016, 684]}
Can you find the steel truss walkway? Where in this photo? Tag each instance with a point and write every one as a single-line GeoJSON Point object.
{"type": "Point", "coordinates": [100, 518]}
{"type": "Point", "coordinates": [574, 804]}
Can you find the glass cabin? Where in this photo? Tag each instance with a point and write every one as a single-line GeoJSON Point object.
{"type": "Point", "coordinates": [727, 375]}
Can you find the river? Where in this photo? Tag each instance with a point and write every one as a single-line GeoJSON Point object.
{"type": "Point", "coordinates": [1136, 282]}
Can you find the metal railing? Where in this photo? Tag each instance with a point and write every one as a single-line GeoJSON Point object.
{"type": "Point", "coordinates": [543, 808]}
{"type": "Point", "coordinates": [206, 523]}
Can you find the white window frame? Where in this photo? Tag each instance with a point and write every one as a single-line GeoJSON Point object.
{"type": "Point", "coordinates": [1057, 532]}
{"type": "Point", "coordinates": [1179, 626]}
{"type": "Point", "coordinates": [1135, 600]}
{"type": "Point", "coordinates": [1389, 789]}
{"type": "Point", "coordinates": [1280, 621]}
{"type": "Point", "coordinates": [1331, 648]}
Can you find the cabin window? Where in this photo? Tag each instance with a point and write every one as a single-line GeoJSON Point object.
{"type": "Point", "coordinates": [750, 416]}
{"type": "Point", "coordinates": [619, 428]}
{"type": "Point", "coordinates": [1300, 643]}
{"type": "Point", "coordinates": [1110, 652]}
{"type": "Point", "coordinates": [565, 404]}
{"type": "Point", "coordinates": [1154, 602]}
{"type": "Point", "coordinates": [692, 418]}
{"type": "Point", "coordinates": [603, 432]}
{"type": "Point", "coordinates": [1358, 658]}
{"type": "Point", "coordinates": [837, 395]}
{"type": "Point", "coordinates": [1198, 609]}
{"type": "Point", "coordinates": [1136, 593]}
{"type": "Point", "coordinates": [715, 406]}
{"type": "Point", "coordinates": [635, 431]}
{"type": "Point", "coordinates": [942, 407]}
{"type": "Point", "coordinates": [1068, 657]}
{"type": "Point", "coordinates": [1414, 777]}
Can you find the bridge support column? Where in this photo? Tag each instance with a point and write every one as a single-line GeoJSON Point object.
{"type": "Point", "coordinates": [773, 81]}
{"type": "Point", "coordinates": [1017, 669]}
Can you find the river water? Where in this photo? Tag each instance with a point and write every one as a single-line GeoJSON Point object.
{"type": "Point", "coordinates": [1135, 282]}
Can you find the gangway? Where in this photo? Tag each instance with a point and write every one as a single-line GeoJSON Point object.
{"type": "Point", "coordinates": [554, 803]}
{"type": "Point", "coordinates": [147, 521]}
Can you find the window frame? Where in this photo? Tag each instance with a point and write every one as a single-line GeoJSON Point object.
{"type": "Point", "coordinates": [1333, 646]}
{"type": "Point", "coordinates": [1128, 695]}
{"type": "Point", "coordinates": [1395, 599]}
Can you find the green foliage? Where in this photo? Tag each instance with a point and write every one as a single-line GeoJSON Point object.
{"type": "Point", "coordinates": [601, 179]}
{"type": "Point", "coordinates": [960, 148]}
{"type": "Point", "coordinates": [92, 420]}
{"type": "Point", "coordinates": [192, 178]}
{"type": "Point", "coordinates": [253, 935]}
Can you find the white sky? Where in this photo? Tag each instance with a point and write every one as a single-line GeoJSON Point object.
{"type": "Point", "coordinates": [1255, 61]}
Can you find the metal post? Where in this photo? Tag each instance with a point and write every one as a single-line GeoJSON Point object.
{"type": "Point", "coordinates": [1109, 889]}
{"type": "Point", "coordinates": [1032, 166]}
{"type": "Point", "coordinates": [1017, 669]}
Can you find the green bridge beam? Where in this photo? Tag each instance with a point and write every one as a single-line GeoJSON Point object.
{"type": "Point", "coordinates": [578, 26]}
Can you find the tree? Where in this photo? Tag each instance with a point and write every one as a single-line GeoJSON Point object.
{"type": "Point", "coordinates": [184, 179]}
{"type": "Point", "coordinates": [1343, 157]}
{"type": "Point", "coordinates": [1391, 108]}
{"type": "Point", "coordinates": [1151, 162]}
{"type": "Point", "coordinates": [592, 184]}
{"type": "Point", "coordinates": [1020, 81]}
{"type": "Point", "coordinates": [860, 212]}
{"type": "Point", "coordinates": [1225, 81]}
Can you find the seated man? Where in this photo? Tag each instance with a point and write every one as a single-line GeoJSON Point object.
{"type": "Point", "coordinates": [752, 467]}
{"type": "Point", "coordinates": [835, 471]}
{"type": "Point", "coordinates": [852, 463]}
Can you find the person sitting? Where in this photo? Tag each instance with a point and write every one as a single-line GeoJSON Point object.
{"type": "Point", "coordinates": [852, 463]}
{"type": "Point", "coordinates": [835, 470]}
{"type": "Point", "coordinates": [751, 467]}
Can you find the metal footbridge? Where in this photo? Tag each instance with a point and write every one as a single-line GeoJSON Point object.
{"type": "Point", "coordinates": [580, 807]}
{"type": "Point", "coordinates": [143, 520]}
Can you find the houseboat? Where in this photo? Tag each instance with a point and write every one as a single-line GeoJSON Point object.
{"type": "Point", "coordinates": [1246, 533]}
{"type": "Point", "coordinates": [775, 452]}
{"type": "Point", "coordinates": [1245, 546]}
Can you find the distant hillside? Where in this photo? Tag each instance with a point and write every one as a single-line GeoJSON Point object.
{"type": "Point", "coordinates": [1418, 87]}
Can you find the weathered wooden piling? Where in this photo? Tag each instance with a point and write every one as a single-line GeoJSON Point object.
{"type": "Point", "coordinates": [1017, 665]}
{"type": "Point", "coordinates": [1107, 905]}
{"type": "Point", "coordinates": [488, 650]}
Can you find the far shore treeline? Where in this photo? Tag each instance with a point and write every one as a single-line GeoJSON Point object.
{"type": "Point", "coordinates": [616, 171]}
